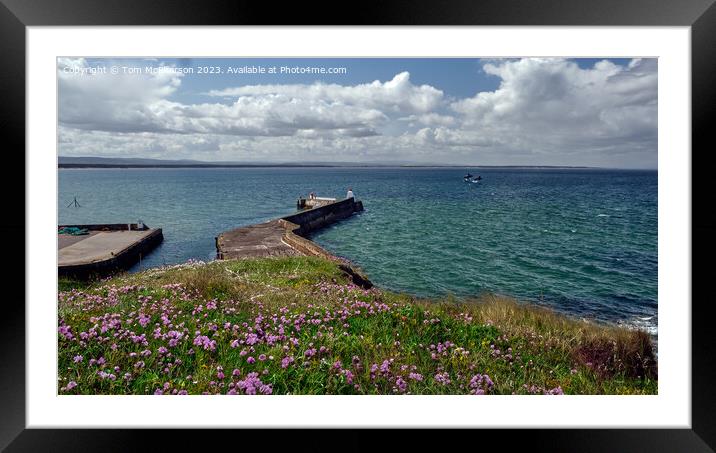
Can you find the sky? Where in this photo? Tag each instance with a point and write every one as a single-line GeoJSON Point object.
{"type": "Point", "coordinates": [517, 111]}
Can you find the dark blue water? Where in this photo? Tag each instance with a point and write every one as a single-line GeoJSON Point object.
{"type": "Point", "coordinates": [581, 241]}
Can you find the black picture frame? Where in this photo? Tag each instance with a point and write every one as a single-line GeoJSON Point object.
{"type": "Point", "coordinates": [700, 15]}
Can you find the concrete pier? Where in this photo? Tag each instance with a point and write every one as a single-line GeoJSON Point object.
{"type": "Point", "coordinates": [274, 238]}
{"type": "Point", "coordinates": [315, 202]}
{"type": "Point", "coordinates": [287, 236]}
{"type": "Point", "coordinates": [105, 249]}
{"type": "Point", "coordinates": [263, 239]}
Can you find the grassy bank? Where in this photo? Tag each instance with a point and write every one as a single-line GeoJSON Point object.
{"type": "Point", "coordinates": [299, 326]}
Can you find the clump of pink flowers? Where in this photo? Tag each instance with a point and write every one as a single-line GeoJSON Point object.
{"type": "Point", "coordinates": [252, 385]}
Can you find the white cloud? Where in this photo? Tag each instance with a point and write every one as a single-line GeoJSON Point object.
{"type": "Point", "coordinates": [138, 103]}
{"type": "Point", "coordinates": [545, 111]}
{"type": "Point", "coordinates": [102, 101]}
{"type": "Point", "coordinates": [443, 136]}
{"type": "Point", "coordinates": [553, 103]}
{"type": "Point", "coordinates": [271, 115]}
{"type": "Point", "coordinates": [431, 119]}
{"type": "Point", "coordinates": [398, 95]}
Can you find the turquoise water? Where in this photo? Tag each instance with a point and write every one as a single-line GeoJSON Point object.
{"type": "Point", "coordinates": [581, 241]}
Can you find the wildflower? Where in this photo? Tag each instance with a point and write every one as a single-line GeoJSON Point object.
{"type": "Point", "coordinates": [143, 319]}
{"type": "Point", "coordinates": [77, 358]}
{"type": "Point", "coordinates": [480, 384]}
{"type": "Point", "coordinates": [204, 341]}
{"type": "Point", "coordinates": [401, 385]}
{"type": "Point", "coordinates": [252, 384]}
{"type": "Point", "coordinates": [286, 361]}
{"type": "Point", "coordinates": [66, 332]}
{"type": "Point", "coordinates": [174, 337]}
{"type": "Point", "coordinates": [262, 357]}
{"type": "Point", "coordinates": [250, 359]}
{"type": "Point", "coordinates": [442, 378]}
{"type": "Point", "coordinates": [385, 367]}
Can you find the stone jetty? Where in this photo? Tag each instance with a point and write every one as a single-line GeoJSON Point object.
{"type": "Point", "coordinates": [103, 249]}
{"type": "Point", "coordinates": [288, 236]}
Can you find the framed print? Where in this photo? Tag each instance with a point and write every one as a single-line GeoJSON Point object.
{"type": "Point", "coordinates": [442, 217]}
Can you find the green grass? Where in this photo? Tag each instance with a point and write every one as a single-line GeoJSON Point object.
{"type": "Point", "coordinates": [522, 348]}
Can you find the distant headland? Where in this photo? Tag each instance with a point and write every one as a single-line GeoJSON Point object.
{"type": "Point", "coordinates": [119, 162]}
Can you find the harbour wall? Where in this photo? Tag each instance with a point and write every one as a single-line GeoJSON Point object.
{"type": "Point", "coordinates": [122, 259]}
{"type": "Point", "coordinates": [262, 240]}
{"type": "Point", "coordinates": [313, 219]}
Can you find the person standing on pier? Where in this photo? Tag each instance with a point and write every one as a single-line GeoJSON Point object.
{"type": "Point", "coordinates": [350, 193]}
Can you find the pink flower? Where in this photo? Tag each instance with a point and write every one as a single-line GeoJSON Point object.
{"type": "Point", "coordinates": [286, 361]}
{"type": "Point", "coordinates": [442, 378]}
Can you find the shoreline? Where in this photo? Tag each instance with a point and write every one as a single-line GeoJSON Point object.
{"type": "Point", "coordinates": [286, 319]}
{"type": "Point", "coordinates": [297, 237]}
{"type": "Point", "coordinates": [288, 236]}
{"type": "Point", "coordinates": [357, 167]}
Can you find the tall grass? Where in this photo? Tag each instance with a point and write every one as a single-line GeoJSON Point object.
{"type": "Point", "coordinates": [299, 326]}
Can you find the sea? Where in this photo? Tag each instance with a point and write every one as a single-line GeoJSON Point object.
{"type": "Point", "coordinates": [580, 241]}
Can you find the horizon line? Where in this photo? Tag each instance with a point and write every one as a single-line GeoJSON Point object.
{"type": "Point", "coordinates": [190, 163]}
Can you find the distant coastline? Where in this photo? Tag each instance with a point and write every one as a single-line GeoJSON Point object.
{"type": "Point", "coordinates": [318, 166]}
{"type": "Point", "coordinates": [102, 162]}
